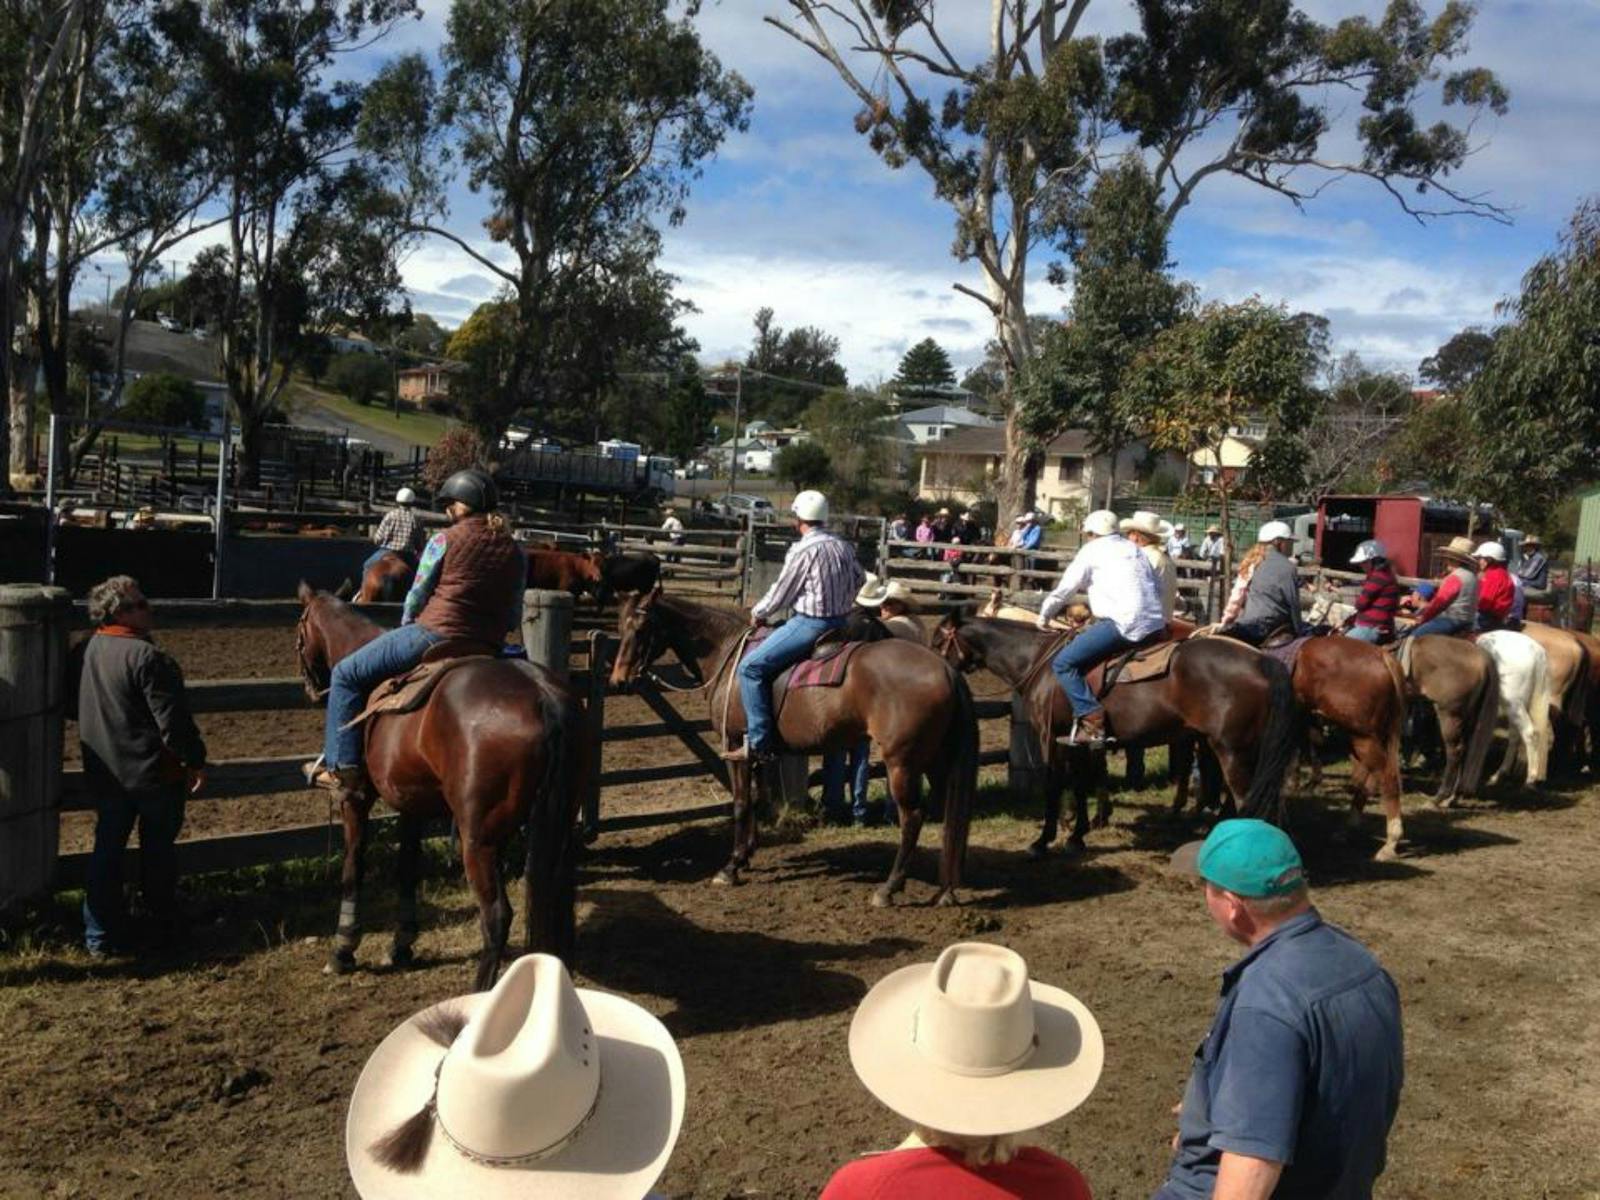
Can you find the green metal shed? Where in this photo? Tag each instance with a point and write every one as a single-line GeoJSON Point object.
{"type": "Point", "coordinates": [1588, 547]}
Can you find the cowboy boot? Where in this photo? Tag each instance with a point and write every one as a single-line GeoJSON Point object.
{"type": "Point", "coordinates": [1088, 730]}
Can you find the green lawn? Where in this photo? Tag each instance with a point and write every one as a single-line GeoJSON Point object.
{"type": "Point", "coordinates": [420, 428]}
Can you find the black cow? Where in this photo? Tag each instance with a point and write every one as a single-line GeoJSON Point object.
{"type": "Point", "coordinates": [638, 572]}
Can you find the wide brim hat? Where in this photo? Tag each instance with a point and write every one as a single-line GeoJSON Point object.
{"type": "Point", "coordinates": [1530, 539]}
{"type": "Point", "coordinates": [899, 591]}
{"type": "Point", "coordinates": [1459, 549]}
{"type": "Point", "coordinates": [1148, 523]}
{"type": "Point", "coordinates": [1057, 1075]}
{"type": "Point", "coordinates": [874, 591]}
{"type": "Point", "coordinates": [617, 1153]}
{"type": "Point", "coordinates": [1217, 529]}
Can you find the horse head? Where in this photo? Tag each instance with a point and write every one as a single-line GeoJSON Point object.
{"type": "Point", "coordinates": [949, 645]}
{"type": "Point", "coordinates": [640, 637]}
{"type": "Point", "coordinates": [311, 645]}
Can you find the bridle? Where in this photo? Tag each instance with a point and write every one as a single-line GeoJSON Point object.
{"type": "Point", "coordinates": [315, 694]}
{"type": "Point", "coordinates": [947, 638]}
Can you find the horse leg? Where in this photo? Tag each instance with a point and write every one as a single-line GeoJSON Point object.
{"type": "Point", "coordinates": [903, 787]}
{"type": "Point", "coordinates": [1451, 731]}
{"type": "Point", "coordinates": [1520, 743]}
{"type": "Point", "coordinates": [1180, 754]}
{"type": "Point", "coordinates": [1383, 777]}
{"type": "Point", "coordinates": [1055, 779]}
{"type": "Point", "coordinates": [1082, 764]}
{"type": "Point", "coordinates": [407, 871]}
{"type": "Point", "coordinates": [739, 781]}
{"type": "Point", "coordinates": [1236, 775]}
{"type": "Point", "coordinates": [494, 909]}
{"type": "Point", "coordinates": [942, 782]}
{"type": "Point", "coordinates": [1102, 789]}
{"type": "Point", "coordinates": [353, 809]}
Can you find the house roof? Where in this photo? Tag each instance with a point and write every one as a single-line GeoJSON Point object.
{"type": "Point", "coordinates": [946, 414]}
{"type": "Point", "coordinates": [450, 368]}
{"type": "Point", "coordinates": [991, 439]}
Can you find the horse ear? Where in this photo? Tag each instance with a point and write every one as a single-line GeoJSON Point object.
{"type": "Point", "coordinates": [345, 590]}
{"type": "Point", "coordinates": [651, 596]}
{"type": "Point", "coordinates": [305, 593]}
{"type": "Point", "coordinates": [952, 617]}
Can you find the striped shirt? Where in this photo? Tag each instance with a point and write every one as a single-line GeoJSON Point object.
{"type": "Point", "coordinates": [399, 530]}
{"type": "Point", "coordinates": [820, 578]}
{"type": "Point", "coordinates": [1379, 599]}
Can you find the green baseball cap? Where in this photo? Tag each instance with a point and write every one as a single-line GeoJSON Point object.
{"type": "Point", "coordinates": [1246, 857]}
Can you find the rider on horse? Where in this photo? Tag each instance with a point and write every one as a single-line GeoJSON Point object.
{"type": "Point", "coordinates": [1125, 601]}
{"type": "Point", "coordinates": [398, 533]}
{"type": "Point", "coordinates": [1496, 592]}
{"type": "Point", "coordinates": [819, 581]}
{"type": "Point", "coordinates": [468, 587]}
{"type": "Point", "coordinates": [1454, 606]}
{"type": "Point", "coordinates": [1375, 607]}
{"type": "Point", "coordinates": [1273, 601]}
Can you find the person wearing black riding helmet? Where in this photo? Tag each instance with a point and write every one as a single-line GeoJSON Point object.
{"type": "Point", "coordinates": [468, 587]}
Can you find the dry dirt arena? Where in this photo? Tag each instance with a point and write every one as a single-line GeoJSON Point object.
{"type": "Point", "coordinates": [223, 1066]}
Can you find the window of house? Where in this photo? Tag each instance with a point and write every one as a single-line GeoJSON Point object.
{"type": "Point", "coordinates": [1069, 470]}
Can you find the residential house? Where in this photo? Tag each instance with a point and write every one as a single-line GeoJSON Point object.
{"type": "Point", "coordinates": [965, 466]}
{"type": "Point", "coordinates": [924, 425]}
{"type": "Point", "coordinates": [1227, 463]}
{"type": "Point", "coordinates": [430, 382]}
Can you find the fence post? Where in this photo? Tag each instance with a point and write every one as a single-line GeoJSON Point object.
{"type": "Point", "coordinates": [547, 629]}
{"type": "Point", "coordinates": [599, 661]}
{"type": "Point", "coordinates": [33, 677]}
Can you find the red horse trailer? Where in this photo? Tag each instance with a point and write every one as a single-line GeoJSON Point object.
{"type": "Point", "coordinates": [1410, 527]}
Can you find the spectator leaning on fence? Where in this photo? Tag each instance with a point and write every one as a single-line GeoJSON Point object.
{"type": "Point", "coordinates": [1293, 1090]}
{"type": "Point", "coordinates": [142, 756]}
{"type": "Point", "coordinates": [1213, 546]}
{"type": "Point", "coordinates": [976, 1057]}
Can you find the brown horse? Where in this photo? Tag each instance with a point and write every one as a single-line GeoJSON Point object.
{"type": "Point", "coordinates": [1359, 688]}
{"type": "Point", "coordinates": [915, 708]}
{"type": "Point", "coordinates": [565, 571]}
{"type": "Point", "coordinates": [1569, 687]}
{"type": "Point", "coordinates": [386, 580]}
{"type": "Point", "coordinates": [1461, 682]}
{"type": "Point", "coordinates": [498, 746]}
{"type": "Point", "coordinates": [1240, 701]}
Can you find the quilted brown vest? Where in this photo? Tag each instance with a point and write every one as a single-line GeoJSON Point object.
{"type": "Point", "coordinates": [479, 577]}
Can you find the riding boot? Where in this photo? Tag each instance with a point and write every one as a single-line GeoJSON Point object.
{"type": "Point", "coordinates": [342, 782]}
{"type": "Point", "coordinates": [1087, 730]}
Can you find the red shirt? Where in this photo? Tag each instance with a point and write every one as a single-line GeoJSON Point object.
{"type": "Point", "coordinates": [937, 1174]}
{"type": "Point", "coordinates": [1496, 592]}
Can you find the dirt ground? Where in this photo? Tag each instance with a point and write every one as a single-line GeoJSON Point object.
{"type": "Point", "coordinates": [225, 1064]}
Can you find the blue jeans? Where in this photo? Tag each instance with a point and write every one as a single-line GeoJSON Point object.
{"type": "Point", "coordinates": [785, 645]}
{"type": "Point", "coordinates": [159, 813]}
{"type": "Point", "coordinates": [1095, 644]}
{"type": "Point", "coordinates": [355, 675]}
{"type": "Point", "coordinates": [1364, 633]}
{"type": "Point", "coordinates": [833, 777]}
{"type": "Point", "coordinates": [1443, 626]}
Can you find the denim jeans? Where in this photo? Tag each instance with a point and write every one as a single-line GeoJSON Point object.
{"type": "Point", "coordinates": [785, 645]}
{"type": "Point", "coordinates": [159, 814]}
{"type": "Point", "coordinates": [1365, 633]}
{"type": "Point", "coordinates": [833, 777]}
{"type": "Point", "coordinates": [355, 675]}
{"type": "Point", "coordinates": [1095, 644]}
{"type": "Point", "coordinates": [1443, 626]}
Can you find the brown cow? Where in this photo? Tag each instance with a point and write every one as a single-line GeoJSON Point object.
{"type": "Point", "coordinates": [565, 571]}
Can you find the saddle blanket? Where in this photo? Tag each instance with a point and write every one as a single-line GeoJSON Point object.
{"type": "Point", "coordinates": [1287, 652]}
{"type": "Point", "coordinates": [410, 691]}
{"type": "Point", "coordinates": [825, 668]}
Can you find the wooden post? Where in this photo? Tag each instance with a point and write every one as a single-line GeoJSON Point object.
{"type": "Point", "coordinates": [599, 664]}
{"type": "Point", "coordinates": [1025, 767]}
{"type": "Point", "coordinates": [547, 629]}
{"type": "Point", "coordinates": [33, 677]}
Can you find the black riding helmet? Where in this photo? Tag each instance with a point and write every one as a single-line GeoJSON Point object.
{"type": "Point", "coordinates": [473, 488]}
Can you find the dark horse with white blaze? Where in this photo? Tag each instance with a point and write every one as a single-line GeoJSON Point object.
{"type": "Point", "coordinates": [915, 708]}
{"type": "Point", "coordinates": [1240, 701]}
{"type": "Point", "coordinates": [499, 746]}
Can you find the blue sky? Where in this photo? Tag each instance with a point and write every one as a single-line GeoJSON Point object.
{"type": "Point", "coordinates": [799, 214]}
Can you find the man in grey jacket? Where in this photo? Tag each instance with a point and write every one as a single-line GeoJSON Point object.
{"type": "Point", "coordinates": [142, 756]}
{"type": "Point", "coordinates": [1273, 599]}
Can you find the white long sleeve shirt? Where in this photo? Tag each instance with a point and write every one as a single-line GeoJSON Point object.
{"type": "Point", "coordinates": [1121, 584]}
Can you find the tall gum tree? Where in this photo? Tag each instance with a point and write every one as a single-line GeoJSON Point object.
{"type": "Point", "coordinates": [1200, 88]}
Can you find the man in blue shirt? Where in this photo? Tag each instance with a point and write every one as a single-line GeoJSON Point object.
{"type": "Point", "coordinates": [1296, 1085]}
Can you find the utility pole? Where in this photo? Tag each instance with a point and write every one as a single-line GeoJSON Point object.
{"type": "Point", "coordinates": [738, 397]}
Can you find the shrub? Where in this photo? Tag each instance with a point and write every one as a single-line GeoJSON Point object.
{"type": "Point", "coordinates": [164, 399]}
{"type": "Point", "coordinates": [455, 450]}
{"type": "Point", "coordinates": [362, 377]}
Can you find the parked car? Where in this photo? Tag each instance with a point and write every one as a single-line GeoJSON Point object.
{"type": "Point", "coordinates": [739, 505]}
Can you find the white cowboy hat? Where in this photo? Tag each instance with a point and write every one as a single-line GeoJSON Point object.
{"type": "Point", "coordinates": [1102, 522]}
{"type": "Point", "coordinates": [1274, 531]}
{"type": "Point", "coordinates": [970, 1045]}
{"type": "Point", "coordinates": [1148, 523]}
{"type": "Point", "coordinates": [547, 1090]}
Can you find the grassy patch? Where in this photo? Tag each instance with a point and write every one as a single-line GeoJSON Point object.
{"type": "Point", "coordinates": [419, 428]}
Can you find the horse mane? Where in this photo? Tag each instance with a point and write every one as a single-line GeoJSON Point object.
{"type": "Point", "coordinates": [724, 621]}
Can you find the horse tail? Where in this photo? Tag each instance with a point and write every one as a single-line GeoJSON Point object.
{"type": "Point", "coordinates": [1397, 677]}
{"type": "Point", "coordinates": [961, 782]}
{"type": "Point", "coordinates": [1539, 711]}
{"type": "Point", "coordinates": [1485, 715]}
{"type": "Point", "coordinates": [551, 868]}
{"type": "Point", "coordinates": [1280, 739]}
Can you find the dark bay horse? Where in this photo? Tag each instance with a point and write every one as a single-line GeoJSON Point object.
{"type": "Point", "coordinates": [498, 746]}
{"type": "Point", "coordinates": [1240, 701]}
{"type": "Point", "coordinates": [913, 706]}
{"type": "Point", "coordinates": [386, 580]}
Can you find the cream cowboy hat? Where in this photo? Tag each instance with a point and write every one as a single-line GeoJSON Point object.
{"type": "Point", "coordinates": [1458, 550]}
{"type": "Point", "coordinates": [875, 591]}
{"type": "Point", "coordinates": [1148, 523]}
{"type": "Point", "coordinates": [970, 1045]}
{"type": "Point", "coordinates": [546, 1090]}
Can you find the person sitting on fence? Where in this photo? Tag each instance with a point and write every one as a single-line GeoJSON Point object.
{"type": "Point", "coordinates": [398, 533]}
{"type": "Point", "coordinates": [1213, 546]}
{"type": "Point", "coordinates": [1125, 602]}
{"type": "Point", "coordinates": [1534, 570]}
{"type": "Point", "coordinates": [976, 1057]}
{"type": "Point", "coordinates": [468, 587]}
{"type": "Point", "coordinates": [1178, 543]}
{"type": "Point", "coordinates": [142, 756]}
{"type": "Point", "coordinates": [1375, 608]}
{"type": "Point", "coordinates": [1453, 608]}
{"type": "Point", "coordinates": [819, 580]}
{"type": "Point", "coordinates": [1496, 593]}
{"type": "Point", "coordinates": [1272, 591]}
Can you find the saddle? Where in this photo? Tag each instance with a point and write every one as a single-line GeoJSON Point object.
{"type": "Point", "coordinates": [1144, 661]}
{"type": "Point", "coordinates": [409, 691]}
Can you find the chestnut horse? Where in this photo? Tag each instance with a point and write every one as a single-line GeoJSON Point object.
{"type": "Point", "coordinates": [565, 571]}
{"type": "Point", "coordinates": [498, 746]}
{"type": "Point", "coordinates": [1240, 701]}
{"type": "Point", "coordinates": [915, 708]}
{"type": "Point", "coordinates": [386, 580]}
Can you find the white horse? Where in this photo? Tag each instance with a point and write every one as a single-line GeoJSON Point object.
{"type": "Point", "coordinates": [1524, 700]}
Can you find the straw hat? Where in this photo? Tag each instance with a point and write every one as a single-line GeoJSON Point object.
{"type": "Point", "coordinates": [875, 591]}
{"type": "Point", "coordinates": [1148, 523]}
{"type": "Point", "coordinates": [1458, 550]}
{"type": "Point", "coordinates": [970, 1045]}
{"type": "Point", "coordinates": [1214, 529]}
{"type": "Point", "coordinates": [547, 1090]}
{"type": "Point", "coordinates": [1531, 539]}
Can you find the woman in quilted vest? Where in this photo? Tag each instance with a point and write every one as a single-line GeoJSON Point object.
{"type": "Point", "coordinates": [468, 587]}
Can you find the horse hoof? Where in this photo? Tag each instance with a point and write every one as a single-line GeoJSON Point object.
{"type": "Point", "coordinates": [1444, 802]}
{"type": "Point", "coordinates": [340, 962]}
{"type": "Point", "coordinates": [948, 899]}
{"type": "Point", "coordinates": [1075, 847]}
{"type": "Point", "coordinates": [402, 958]}
{"type": "Point", "coordinates": [1386, 853]}
{"type": "Point", "coordinates": [1039, 849]}
{"type": "Point", "coordinates": [724, 878]}
{"type": "Point", "coordinates": [882, 898]}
